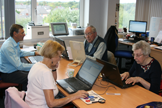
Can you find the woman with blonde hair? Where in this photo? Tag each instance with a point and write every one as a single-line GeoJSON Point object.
{"type": "Point", "coordinates": [145, 71]}
{"type": "Point", "coordinates": [42, 89]}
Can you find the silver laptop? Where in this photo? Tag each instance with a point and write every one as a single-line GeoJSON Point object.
{"type": "Point", "coordinates": [111, 74]}
{"type": "Point", "coordinates": [84, 79]}
{"type": "Point", "coordinates": [35, 59]}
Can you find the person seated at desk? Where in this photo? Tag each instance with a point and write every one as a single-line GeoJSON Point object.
{"type": "Point", "coordinates": [11, 68]}
{"type": "Point", "coordinates": [42, 88]}
{"type": "Point", "coordinates": [145, 71]}
{"type": "Point", "coordinates": [95, 46]}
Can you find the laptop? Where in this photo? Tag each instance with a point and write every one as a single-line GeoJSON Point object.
{"type": "Point", "coordinates": [65, 53]}
{"type": "Point", "coordinates": [85, 78]}
{"type": "Point", "coordinates": [110, 73]}
{"type": "Point", "coordinates": [35, 59]}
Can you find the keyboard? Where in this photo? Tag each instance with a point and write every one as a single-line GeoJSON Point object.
{"type": "Point", "coordinates": [35, 59]}
{"type": "Point", "coordinates": [131, 41]}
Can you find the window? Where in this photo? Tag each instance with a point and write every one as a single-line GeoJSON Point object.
{"type": "Point", "coordinates": [2, 33]}
{"type": "Point", "coordinates": [23, 12]}
{"type": "Point", "coordinates": [126, 12]}
{"type": "Point", "coordinates": [43, 12]}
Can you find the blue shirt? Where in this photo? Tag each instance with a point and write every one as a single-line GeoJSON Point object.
{"type": "Point", "coordinates": [10, 54]}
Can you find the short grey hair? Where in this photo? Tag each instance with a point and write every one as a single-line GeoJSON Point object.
{"type": "Point", "coordinates": [92, 28]}
{"type": "Point", "coordinates": [143, 45]}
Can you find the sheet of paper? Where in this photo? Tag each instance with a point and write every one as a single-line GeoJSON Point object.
{"type": "Point", "coordinates": [158, 38]}
{"type": "Point", "coordinates": [28, 48]}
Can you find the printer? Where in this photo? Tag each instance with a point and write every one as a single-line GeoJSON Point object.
{"type": "Point", "coordinates": [76, 31]}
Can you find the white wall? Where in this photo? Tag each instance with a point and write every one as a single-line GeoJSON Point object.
{"type": "Point", "coordinates": [100, 14]}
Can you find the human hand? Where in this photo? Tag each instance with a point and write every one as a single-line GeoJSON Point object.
{"type": "Point", "coordinates": [132, 80]}
{"type": "Point", "coordinates": [124, 75]}
{"type": "Point", "coordinates": [80, 94]}
{"type": "Point", "coordinates": [36, 53]}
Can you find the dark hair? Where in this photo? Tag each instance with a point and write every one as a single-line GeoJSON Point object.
{"type": "Point", "coordinates": [15, 27]}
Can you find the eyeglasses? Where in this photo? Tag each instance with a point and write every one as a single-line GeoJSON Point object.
{"type": "Point", "coordinates": [88, 34]}
{"type": "Point", "coordinates": [137, 55]}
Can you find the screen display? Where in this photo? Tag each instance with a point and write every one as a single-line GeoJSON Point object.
{"type": "Point", "coordinates": [60, 28]}
{"type": "Point", "coordinates": [90, 70]}
{"type": "Point", "coordinates": [137, 26]}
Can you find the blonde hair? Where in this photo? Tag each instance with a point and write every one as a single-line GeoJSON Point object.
{"type": "Point", "coordinates": [143, 45]}
{"type": "Point", "coordinates": [50, 49]}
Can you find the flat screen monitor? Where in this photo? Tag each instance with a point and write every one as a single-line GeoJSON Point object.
{"type": "Point", "coordinates": [78, 52]}
{"type": "Point", "coordinates": [59, 29]}
{"type": "Point", "coordinates": [137, 27]}
{"type": "Point", "coordinates": [65, 53]}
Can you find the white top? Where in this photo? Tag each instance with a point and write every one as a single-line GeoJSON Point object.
{"type": "Point", "coordinates": [40, 77]}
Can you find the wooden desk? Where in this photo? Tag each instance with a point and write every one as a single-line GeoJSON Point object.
{"type": "Point", "coordinates": [154, 52]}
{"type": "Point", "coordinates": [129, 98]}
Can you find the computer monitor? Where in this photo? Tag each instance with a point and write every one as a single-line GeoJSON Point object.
{"type": "Point", "coordinates": [65, 53]}
{"type": "Point", "coordinates": [137, 27]}
{"type": "Point", "coordinates": [59, 29]}
{"type": "Point", "coordinates": [78, 52]}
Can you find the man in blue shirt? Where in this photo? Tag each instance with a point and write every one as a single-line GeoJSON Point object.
{"type": "Point", "coordinates": [95, 46]}
{"type": "Point", "coordinates": [11, 68]}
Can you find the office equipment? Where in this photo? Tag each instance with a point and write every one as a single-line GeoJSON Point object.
{"type": "Point", "coordinates": [23, 60]}
{"type": "Point", "coordinates": [137, 27]}
{"type": "Point", "coordinates": [59, 29]}
{"type": "Point", "coordinates": [111, 74]}
{"type": "Point", "coordinates": [93, 98]}
{"type": "Point", "coordinates": [158, 38]}
{"type": "Point", "coordinates": [134, 96]}
{"type": "Point", "coordinates": [37, 32]}
{"type": "Point", "coordinates": [76, 31]}
{"type": "Point", "coordinates": [78, 52]}
{"type": "Point", "coordinates": [84, 79]}
{"type": "Point", "coordinates": [65, 53]}
{"type": "Point", "coordinates": [35, 59]}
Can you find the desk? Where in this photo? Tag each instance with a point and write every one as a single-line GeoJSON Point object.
{"type": "Point", "coordinates": [129, 98]}
{"type": "Point", "coordinates": [154, 52]}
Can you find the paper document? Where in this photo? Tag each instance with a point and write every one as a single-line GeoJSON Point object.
{"type": "Point", "coordinates": [158, 38]}
{"type": "Point", "coordinates": [28, 48]}
{"type": "Point", "coordinates": [158, 47]}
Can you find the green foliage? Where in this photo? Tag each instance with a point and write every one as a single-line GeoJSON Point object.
{"type": "Point", "coordinates": [62, 15]}
{"type": "Point", "coordinates": [23, 22]}
{"type": "Point", "coordinates": [18, 12]}
{"type": "Point", "coordinates": [126, 13]}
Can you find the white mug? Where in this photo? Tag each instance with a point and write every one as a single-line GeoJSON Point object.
{"type": "Point", "coordinates": [70, 72]}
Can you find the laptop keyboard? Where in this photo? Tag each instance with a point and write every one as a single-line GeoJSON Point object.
{"type": "Point", "coordinates": [78, 85]}
{"type": "Point", "coordinates": [35, 59]}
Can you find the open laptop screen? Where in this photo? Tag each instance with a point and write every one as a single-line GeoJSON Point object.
{"type": "Point", "coordinates": [90, 71]}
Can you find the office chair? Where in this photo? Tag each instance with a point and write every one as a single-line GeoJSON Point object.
{"type": "Point", "coordinates": [111, 39]}
{"type": "Point", "coordinates": [4, 85]}
{"type": "Point", "coordinates": [14, 98]}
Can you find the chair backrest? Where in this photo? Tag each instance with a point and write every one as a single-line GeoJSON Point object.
{"type": "Point", "coordinates": [14, 98]}
{"type": "Point", "coordinates": [111, 57]}
{"type": "Point", "coordinates": [111, 39]}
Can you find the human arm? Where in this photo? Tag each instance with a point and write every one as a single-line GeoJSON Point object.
{"type": "Point", "coordinates": [11, 59]}
{"type": "Point", "coordinates": [134, 80]}
{"type": "Point", "coordinates": [52, 102]}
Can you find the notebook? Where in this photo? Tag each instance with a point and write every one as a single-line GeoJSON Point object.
{"type": "Point", "coordinates": [35, 59]}
{"type": "Point", "coordinates": [65, 53]}
{"type": "Point", "coordinates": [111, 74]}
{"type": "Point", "coordinates": [85, 78]}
